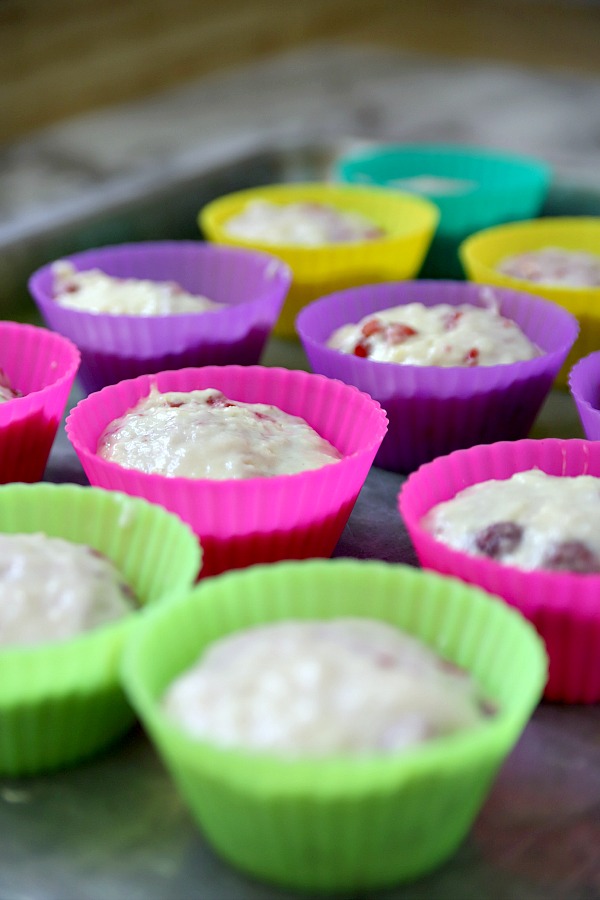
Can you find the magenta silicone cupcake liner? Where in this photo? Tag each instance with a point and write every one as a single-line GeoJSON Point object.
{"type": "Point", "coordinates": [563, 606]}
{"type": "Point", "coordinates": [584, 384]}
{"type": "Point", "coordinates": [433, 410]}
{"type": "Point", "coordinates": [40, 365]}
{"type": "Point", "coordinates": [252, 286]}
{"type": "Point", "coordinates": [244, 521]}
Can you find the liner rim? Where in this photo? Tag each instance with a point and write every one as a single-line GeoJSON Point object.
{"type": "Point", "coordinates": [279, 279]}
{"type": "Point", "coordinates": [486, 569]}
{"type": "Point", "coordinates": [209, 216]}
{"type": "Point", "coordinates": [526, 168]}
{"type": "Point", "coordinates": [72, 354]}
{"type": "Point", "coordinates": [519, 370]}
{"type": "Point", "coordinates": [469, 249]}
{"type": "Point", "coordinates": [584, 366]}
{"type": "Point", "coordinates": [98, 635]}
{"type": "Point", "coordinates": [420, 758]}
{"type": "Point", "coordinates": [241, 485]}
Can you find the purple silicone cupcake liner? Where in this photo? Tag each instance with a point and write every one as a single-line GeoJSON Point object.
{"type": "Point", "coordinates": [584, 384]}
{"type": "Point", "coordinates": [433, 410]}
{"type": "Point", "coordinates": [253, 286]}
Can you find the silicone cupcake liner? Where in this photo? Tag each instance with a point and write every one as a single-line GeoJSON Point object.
{"type": "Point", "coordinates": [562, 606]}
{"type": "Point", "coordinates": [498, 187]}
{"type": "Point", "coordinates": [482, 253]}
{"type": "Point", "coordinates": [434, 410]}
{"type": "Point", "coordinates": [61, 702]}
{"type": "Point", "coordinates": [42, 366]}
{"type": "Point", "coordinates": [339, 823]}
{"type": "Point", "coordinates": [409, 222]}
{"type": "Point", "coordinates": [584, 384]}
{"type": "Point", "coordinates": [251, 284]}
{"type": "Point", "coordinates": [243, 521]}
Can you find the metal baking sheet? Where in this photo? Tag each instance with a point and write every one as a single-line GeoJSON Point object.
{"type": "Point", "coordinates": [168, 209]}
{"type": "Point", "coordinates": [115, 829]}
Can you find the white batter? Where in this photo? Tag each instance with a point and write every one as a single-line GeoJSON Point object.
{"type": "Point", "coordinates": [7, 392]}
{"type": "Point", "coordinates": [202, 434]}
{"type": "Point", "coordinates": [554, 266]}
{"type": "Point", "coordinates": [441, 335]}
{"type": "Point", "coordinates": [304, 223]}
{"type": "Point", "coordinates": [531, 521]}
{"type": "Point", "coordinates": [434, 184]}
{"type": "Point", "coordinates": [95, 292]}
{"type": "Point", "coordinates": [320, 687]}
{"type": "Point", "coordinates": [52, 589]}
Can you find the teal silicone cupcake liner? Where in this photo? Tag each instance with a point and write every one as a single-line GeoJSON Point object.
{"type": "Point", "coordinates": [473, 187]}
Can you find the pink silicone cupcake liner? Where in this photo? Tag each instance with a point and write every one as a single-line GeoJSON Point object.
{"type": "Point", "coordinates": [253, 286]}
{"type": "Point", "coordinates": [434, 410]}
{"type": "Point", "coordinates": [563, 606]}
{"type": "Point", "coordinates": [584, 384]}
{"type": "Point", "coordinates": [240, 522]}
{"type": "Point", "coordinates": [41, 365]}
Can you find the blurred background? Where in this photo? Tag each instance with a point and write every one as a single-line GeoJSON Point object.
{"type": "Point", "coordinates": [119, 119]}
{"type": "Point", "coordinates": [68, 57]}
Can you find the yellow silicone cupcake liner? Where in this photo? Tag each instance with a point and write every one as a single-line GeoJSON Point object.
{"type": "Point", "coordinates": [409, 223]}
{"type": "Point", "coordinates": [482, 253]}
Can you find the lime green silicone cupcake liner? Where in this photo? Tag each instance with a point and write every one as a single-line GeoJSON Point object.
{"type": "Point", "coordinates": [339, 823]}
{"type": "Point", "coordinates": [409, 223]}
{"type": "Point", "coordinates": [482, 253]}
{"type": "Point", "coordinates": [62, 701]}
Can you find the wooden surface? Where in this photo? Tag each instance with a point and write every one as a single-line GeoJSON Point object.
{"type": "Point", "coordinates": [65, 57]}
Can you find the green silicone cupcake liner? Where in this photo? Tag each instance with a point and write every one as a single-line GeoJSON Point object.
{"type": "Point", "coordinates": [62, 701]}
{"type": "Point", "coordinates": [339, 823]}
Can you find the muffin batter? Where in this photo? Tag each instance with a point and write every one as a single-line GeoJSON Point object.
{"type": "Point", "coordinates": [7, 391]}
{"type": "Point", "coordinates": [304, 223]}
{"type": "Point", "coordinates": [52, 589]}
{"type": "Point", "coordinates": [531, 520]}
{"type": "Point", "coordinates": [554, 266]}
{"type": "Point", "coordinates": [95, 292]}
{"type": "Point", "coordinates": [434, 184]}
{"type": "Point", "coordinates": [203, 434]}
{"type": "Point", "coordinates": [312, 688]}
{"type": "Point", "coordinates": [441, 335]}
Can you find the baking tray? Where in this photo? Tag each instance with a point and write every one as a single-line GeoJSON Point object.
{"type": "Point", "coordinates": [167, 206]}
{"type": "Point", "coordinates": [115, 829]}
